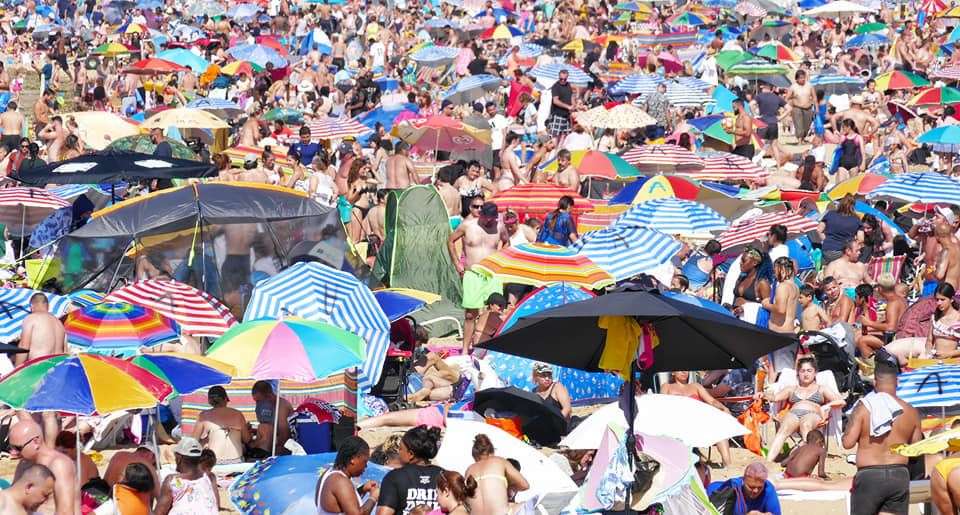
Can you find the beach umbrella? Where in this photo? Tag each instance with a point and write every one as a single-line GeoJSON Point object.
{"type": "Point", "coordinates": [143, 144]}
{"type": "Point", "coordinates": [533, 199]}
{"type": "Point", "coordinates": [936, 386]}
{"type": "Point", "coordinates": [206, 8]}
{"type": "Point", "coordinates": [111, 49]}
{"type": "Point", "coordinates": [833, 84]}
{"type": "Point", "coordinates": [98, 129]}
{"type": "Point", "coordinates": [948, 72]}
{"type": "Point", "coordinates": [333, 128]}
{"type": "Point", "coordinates": [440, 132]}
{"type": "Point", "coordinates": [943, 135]}
{"type": "Point", "coordinates": [750, 9]}
{"type": "Point", "coordinates": [688, 19]}
{"type": "Point", "coordinates": [85, 298]}
{"type": "Point", "coordinates": [288, 484]}
{"type": "Point", "coordinates": [728, 58]}
{"type": "Point", "coordinates": [751, 230]}
{"type": "Point", "coordinates": [867, 40]}
{"type": "Point", "coordinates": [934, 96]}
{"type": "Point", "coordinates": [316, 292]}
{"type": "Point", "coordinates": [838, 8]}
{"type": "Point", "coordinates": [538, 264]}
{"type": "Point", "coordinates": [283, 114]}
{"type": "Point", "coordinates": [435, 55]}
{"type": "Point", "coordinates": [723, 166]}
{"type": "Point", "coordinates": [185, 373]}
{"type": "Point", "coordinates": [188, 33]}
{"type": "Point", "coordinates": [634, 7]}
{"type": "Point", "coordinates": [528, 52]}
{"type": "Point", "coordinates": [397, 303]}
{"type": "Point", "coordinates": [551, 72]}
{"type": "Point", "coordinates": [539, 421]}
{"type": "Point", "coordinates": [259, 54]}
{"type": "Point", "coordinates": [693, 83]}
{"type": "Point", "coordinates": [196, 312]}
{"type": "Point", "coordinates": [22, 208]}
{"type": "Point", "coordinates": [620, 116]}
{"type": "Point", "coordinates": [604, 216]}
{"type": "Point", "coordinates": [239, 11]}
{"type": "Point", "coordinates": [690, 337]}
{"type": "Point", "coordinates": [625, 251]}
{"type": "Point", "coordinates": [184, 118]}
{"type": "Point", "coordinates": [695, 423]}
{"type": "Point", "coordinates": [592, 163]}
{"type": "Point", "coordinates": [15, 306]}
{"type": "Point", "coordinates": [754, 69]}
{"type": "Point", "coordinates": [118, 328]}
{"type": "Point", "coordinates": [927, 187]}
{"type": "Point", "coordinates": [637, 84]}
{"type": "Point", "coordinates": [471, 88]}
{"type": "Point", "coordinates": [861, 184]}
{"type": "Point", "coordinates": [184, 57]}
{"type": "Point", "coordinates": [658, 186]}
{"type": "Point", "coordinates": [682, 96]}
{"type": "Point", "coordinates": [899, 79]}
{"type": "Point", "coordinates": [112, 166]}
{"type": "Point", "coordinates": [662, 159]}
{"type": "Point", "coordinates": [222, 108]}
{"type": "Point", "coordinates": [580, 46]}
{"type": "Point", "coordinates": [543, 297]}
{"type": "Point", "coordinates": [154, 66]}
{"type": "Point", "coordinates": [866, 28]}
{"type": "Point", "coordinates": [778, 52]}
{"type": "Point", "coordinates": [675, 216]}
{"type": "Point", "coordinates": [241, 68]}
{"type": "Point", "coordinates": [501, 31]}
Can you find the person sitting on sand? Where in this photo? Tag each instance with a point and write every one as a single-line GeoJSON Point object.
{"type": "Point", "coordinates": [437, 379]}
{"type": "Point", "coordinates": [759, 496]}
{"type": "Point", "coordinates": [494, 478]}
{"type": "Point", "coordinates": [222, 429]}
{"type": "Point", "coordinates": [803, 458]}
{"type": "Point", "coordinates": [122, 459]}
{"type": "Point", "coordinates": [266, 399]}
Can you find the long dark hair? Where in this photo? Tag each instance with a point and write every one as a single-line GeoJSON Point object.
{"type": "Point", "coordinates": [945, 289]}
{"type": "Point", "coordinates": [565, 202]}
{"type": "Point", "coordinates": [806, 176]}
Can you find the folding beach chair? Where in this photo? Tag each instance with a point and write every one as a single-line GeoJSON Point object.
{"type": "Point", "coordinates": [880, 265]}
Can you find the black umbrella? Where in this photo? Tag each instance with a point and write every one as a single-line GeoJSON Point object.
{"type": "Point", "coordinates": [115, 165]}
{"type": "Point", "coordinates": [691, 337]}
{"type": "Point", "coordinates": [543, 423]}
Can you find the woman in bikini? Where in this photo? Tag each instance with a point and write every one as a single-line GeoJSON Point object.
{"type": "Point", "coordinates": [810, 404]}
{"type": "Point", "coordinates": [753, 285]}
{"type": "Point", "coordinates": [494, 476]}
{"type": "Point", "coordinates": [944, 338]}
{"type": "Point", "coordinates": [681, 386]}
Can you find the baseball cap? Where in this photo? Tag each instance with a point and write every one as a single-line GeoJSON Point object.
{"type": "Point", "coordinates": [542, 369]}
{"type": "Point", "coordinates": [188, 446]}
{"type": "Point", "coordinates": [947, 213]}
{"type": "Point", "coordinates": [489, 210]}
{"type": "Point", "coordinates": [345, 148]}
{"type": "Point", "coordinates": [250, 158]}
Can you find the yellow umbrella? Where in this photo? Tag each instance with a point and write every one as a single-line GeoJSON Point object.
{"type": "Point", "coordinates": [135, 28]}
{"type": "Point", "coordinates": [184, 118]}
{"type": "Point", "coordinates": [933, 445]}
{"type": "Point", "coordinates": [424, 296]}
{"type": "Point", "coordinates": [97, 129]}
{"type": "Point", "coordinates": [111, 49]}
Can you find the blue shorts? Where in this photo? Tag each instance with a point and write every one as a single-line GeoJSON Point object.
{"type": "Point", "coordinates": [929, 286]}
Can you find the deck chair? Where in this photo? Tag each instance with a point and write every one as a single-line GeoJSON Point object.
{"type": "Point", "coordinates": [880, 265]}
{"type": "Point", "coordinates": [833, 426]}
{"type": "Point", "coordinates": [108, 432]}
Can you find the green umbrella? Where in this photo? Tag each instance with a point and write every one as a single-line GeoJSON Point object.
{"type": "Point", "coordinates": [871, 27]}
{"type": "Point", "coordinates": [728, 58]}
{"type": "Point", "coordinates": [142, 143]}
{"type": "Point", "coordinates": [283, 114]}
{"type": "Point", "coordinates": [755, 68]}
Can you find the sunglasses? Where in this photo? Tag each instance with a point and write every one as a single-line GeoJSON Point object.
{"type": "Point", "coordinates": [476, 207]}
{"type": "Point", "coordinates": [19, 448]}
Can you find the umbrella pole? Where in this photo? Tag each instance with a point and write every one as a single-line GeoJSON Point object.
{"type": "Point", "coordinates": [23, 225]}
{"type": "Point", "coordinates": [76, 430]}
{"type": "Point", "coordinates": [631, 437]}
{"type": "Point", "coordinates": [154, 421]}
{"type": "Point", "coordinates": [276, 421]}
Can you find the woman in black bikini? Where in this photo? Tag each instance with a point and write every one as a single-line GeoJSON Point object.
{"type": "Point", "coordinates": [753, 283]}
{"type": "Point", "coordinates": [810, 404]}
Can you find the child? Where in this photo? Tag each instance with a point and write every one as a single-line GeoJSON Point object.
{"type": "Point", "coordinates": [813, 317]}
{"type": "Point", "coordinates": [491, 319]}
{"type": "Point", "coordinates": [803, 458]}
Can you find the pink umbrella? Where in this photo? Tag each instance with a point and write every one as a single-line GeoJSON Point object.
{"type": "Point", "coordinates": [441, 132]}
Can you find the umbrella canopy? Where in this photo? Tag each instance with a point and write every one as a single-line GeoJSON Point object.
{"type": "Point", "coordinates": [288, 484]}
{"type": "Point", "coordinates": [184, 118]}
{"type": "Point", "coordinates": [501, 31]}
{"type": "Point", "coordinates": [259, 54]}
{"type": "Point", "coordinates": [620, 116]}
{"type": "Point", "coordinates": [86, 298]}
{"type": "Point", "coordinates": [141, 143]}
{"type": "Point", "coordinates": [83, 384]}
{"type": "Point", "coordinates": [292, 349]}
{"type": "Point", "coordinates": [538, 199]}
{"type": "Point", "coordinates": [220, 107]}
{"type": "Point", "coordinates": [674, 216]}
{"type": "Point", "coordinates": [116, 165]}
{"type": "Point", "coordinates": [750, 230]}
{"type": "Point", "coordinates": [899, 79]}
{"type": "Point", "coordinates": [754, 69]}
{"type": "Point", "coordinates": [435, 55]}
{"type": "Point", "coordinates": [184, 57]}
{"type": "Point", "coordinates": [694, 423]}
{"type": "Point", "coordinates": [943, 135]}
{"type": "Point", "coordinates": [537, 264]}
{"type": "Point", "coordinates": [690, 337]}
{"type": "Point", "coordinates": [23, 208]}
{"type": "Point", "coordinates": [118, 327]}
{"type": "Point", "coordinates": [471, 88]}
{"type": "Point", "coordinates": [544, 297]}
{"type": "Point", "coordinates": [866, 28]}
{"type": "Point", "coordinates": [625, 251]}
{"type": "Point", "coordinates": [592, 163]}
{"type": "Point", "coordinates": [832, 84]}
{"type": "Point", "coordinates": [604, 216]}
{"type": "Point", "coordinates": [196, 312]}
{"type": "Point", "coordinates": [397, 303]}
{"type": "Point", "coordinates": [283, 114]}
{"type": "Point", "coordinates": [15, 306]}
{"type": "Point", "coordinates": [934, 96]}
{"type": "Point", "coordinates": [750, 9]}
{"type": "Point", "coordinates": [868, 40]}
{"type": "Point", "coordinates": [316, 292]}
{"type": "Point", "coordinates": [937, 386]}
{"type": "Point", "coordinates": [331, 128]}
{"type": "Point", "coordinates": [723, 166]}
{"type": "Point", "coordinates": [838, 8]}
{"type": "Point", "coordinates": [98, 129]}
{"type": "Point", "coordinates": [658, 186]}
{"type": "Point", "coordinates": [154, 66]}
{"type": "Point", "coordinates": [777, 52]}
{"type": "Point", "coordinates": [663, 159]}
{"type": "Point", "coordinates": [636, 84]}
{"type": "Point", "coordinates": [185, 373]}
{"type": "Point", "coordinates": [928, 187]}
{"type": "Point", "coordinates": [861, 184]}
{"type": "Point", "coordinates": [948, 72]}
{"type": "Point", "coordinates": [540, 422]}
{"type": "Point", "coordinates": [551, 72]}
{"type": "Point", "coordinates": [441, 132]}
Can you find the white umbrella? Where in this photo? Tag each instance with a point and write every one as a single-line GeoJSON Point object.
{"type": "Point", "coordinates": [694, 423]}
{"type": "Point", "coordinates": [589, 432]}
{"type": "Point", "coordinates": [838, 8]}
{"type": "Point", "coordinates": [546, 479]}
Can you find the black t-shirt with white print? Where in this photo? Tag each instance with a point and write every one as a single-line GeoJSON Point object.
{"type": "Point", "coordinates": [409, 486]}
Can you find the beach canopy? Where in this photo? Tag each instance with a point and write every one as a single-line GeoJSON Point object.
{"type": "Point", "coordinates": [116, 165]}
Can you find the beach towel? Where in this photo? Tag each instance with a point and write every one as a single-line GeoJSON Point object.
{"type": "Point", "coordinates": [883, 410]}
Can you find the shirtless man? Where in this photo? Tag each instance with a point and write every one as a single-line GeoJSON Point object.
{"type": "Point", "coordinates": [948, 264]}
{"type": "Point", "coordinates": [567, 175]}
{"type": "Point", "coordinates": [882, 482]}
{"type": "Point", "coordinates": [801, 98]}
{"type": "Point", "coordinates": [222, 429]}
{"type": "Point", "coordinates": [54, 134]}
{"type": "Point", "coordinates": [120, 460]}
{"type": "Point", "coordinates": [783, 312]}
{"type": "Point", "coordinates": [266, 400]}
{"type": "Point", "coordinates": [249, 132]}
{"type": "Point", "coordinates": [400, 171]}
{"type": "Point", "coordinates": [42, 335]}
{"type": "Point", "coordinates": [29, 492]}
{"type": "Point", "coordinates": [26, 441]}
{"type": "Point", "coordinates": [481, 237]}
{"type": "Point", "coordinates": [188, 83]}
{"type": "Point", "coordinates": [11, 124]}
{"type": "Point", "coordinates": [839, 306]}
{"type": "Point", "coordinates": [41, 111]}
{"type": "Point", "coordinates": [511, 172]}
{"type": "Point", "coordinates": [449, 194]}
{"type": "Point", "coordinates": [235, 270]}
{"type": "Point", "coordinates": [848, 270]}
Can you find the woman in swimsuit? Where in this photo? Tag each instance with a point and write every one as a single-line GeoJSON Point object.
{"type": "Point", "coordinates": [493, 477]}
{"type": "Point", "coordinates": [553, 393]}
{"type": "Point", "coordinates": [753, 285]}
{"type": "Point", "coordinates": [944, 338]}
{"type": "Point", "coordinates": [682, 387]}
{"type": "Point", "coordinates": [810, 404]}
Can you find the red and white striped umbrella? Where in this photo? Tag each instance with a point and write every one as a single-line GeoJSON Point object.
{"type": "Point", "coordinates": [750, 9]}
{"type": "Point", "coordinates": [724, 166]}
{"type": "Point", "coordinates": [333, 128]}
{"type": "Point", "coordinates": [663, 158]}
{"type": "Point", "coordinates": [23, 206]}
{"type": "Point", "coordinates": [947, 72]}
{"type": "Point", "coordinates": [755, 229]}
{"type": "Point", "coordinates": [197, 312]}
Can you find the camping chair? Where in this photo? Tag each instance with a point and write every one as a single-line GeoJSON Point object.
{"type": "Point", "coordinates": [832, 426]}
{"type": "Point", "coordinates": [880, 265]}
{"type": "Point", "coordinates": [108, 432]}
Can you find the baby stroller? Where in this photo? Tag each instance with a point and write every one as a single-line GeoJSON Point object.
{"type": "Point", "coordinates": [392, 386]}
{"type": "Point", "coordinates": [831, 349]}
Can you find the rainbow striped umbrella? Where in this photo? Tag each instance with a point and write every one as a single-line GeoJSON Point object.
{"type": "Point", "coordinates": [593, 163]}
{"type": "Point", "coordinates": [899, 79]}
{"type": "Point", "coordinates": [186, 373]}
{"type": "Point", "coordinates": [118, 327]}
{"type": "Point", "coordinates": [293, 349]}
{"type": "Point", "coordinates": [539, 264]}
{"type": "Point", "coordinates": [81, 384]}
{"type": "Point", "coordinates": [501, 32]}
{"type": "Point", "coordinates": [935, 96]}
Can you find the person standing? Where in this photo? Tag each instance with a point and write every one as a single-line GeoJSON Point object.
{"type": "Point", "coordinates": [769, 107]}
{"type": "Point", "coordinates": [11, 122]}
{"type": "Point", "coordinates": [742, 131]}
{"type": "Point", "coordinates": [802, 99]}
{"type": "Point", "coordinates": [190, 491]}
{"type": "Point", "coordinates": [562, 94]}
{"type": "Point", "coordinates": [415, 483]}
{"type": "Point", "coordinates": [42, 335]}
{"type": "Point", "coordinates": [879, 422]}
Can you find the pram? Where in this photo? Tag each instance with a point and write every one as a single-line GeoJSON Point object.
{"type": "Point", "coordinates": [392, 386]}
{"type": "Point", "coordinates": [832, 349]}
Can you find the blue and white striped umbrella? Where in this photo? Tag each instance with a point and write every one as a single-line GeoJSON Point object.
{"type": "Point", "coordinates": [551, 72]}
{"type": "Point", "coordinates": [637, 84]}
{"type": "Point", "coordinates": [928, 187]}
{"type": "Point", "coordinates": [15, 306]}
{"type": "Point", "coordinates": [936, 386]}
{"type": "Point", "coordinates": [681, 96]}
{"type": "Point", "coordinates": [868, 40]}
{"type": "Point", "coordinates": [258, 54]}
{"type": "Point", "coordinates": [470, 88]}
{"type": "Point", "coordinates": [215, 104]}
{"type": "Point", "coordinates": [439, 23]}
{"type": "Point", "coordinates": [674, 216]}
{"type": "Point", "coordinates": [693, 83]}
{"type": "Point", "coordinates": [317, 292]}
{"type": "Point", "coordinates": [625, 251]}
{"type": "Point", "coordinates": [832, 84]}
{"type": "Point", "coordinates": [435, 55]}
{"type": "Point", "coordinates": [527, 51]}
